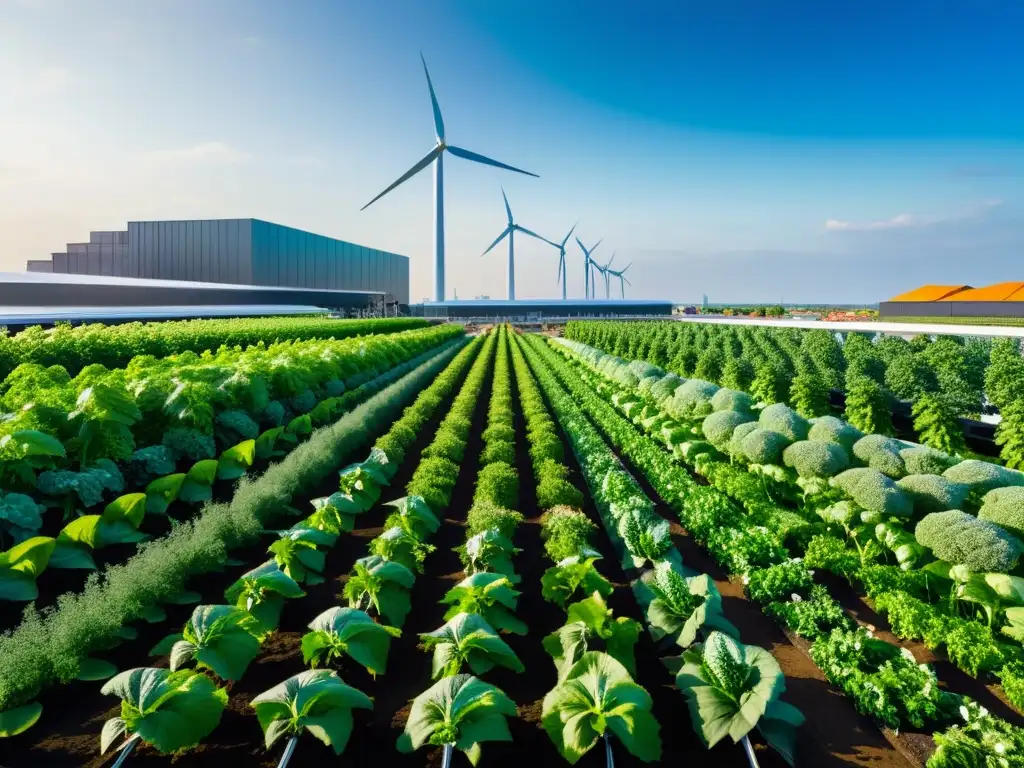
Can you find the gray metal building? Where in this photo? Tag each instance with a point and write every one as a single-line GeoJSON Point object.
{"type": "Point", "coordinates": [235, 251]}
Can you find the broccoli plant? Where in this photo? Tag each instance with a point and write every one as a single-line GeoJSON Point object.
{"type": "Point", "coordinates": [20, 518]}
{"type": "Point", "coordinates": [963, 539]}
{"type": "Point", "coordinates": [572, 576]}
{"type": "Point", "coordinates": [467, 639]}
{"type": "Point", "coordinates": [170, 711]}
{"type": "Point", "coordinates": [382, 585]}
{"type": "Point", "coordinates": [458, 712]}
{"type": "Point", "coordinates": [594, 700]}
{"type": "Point", "coordinates": [678, 608]}
{"type": "Point", "coordinates": [491, 595]}
{"type": "Point", "coordinates": [221, 638]}
{"type": "Point", "coordinates": [350, 632]}
{"type": "Point", "coordinates": [316, 701]}
{"type": "Point", "coordinates": [733, 688]}
{"type": "Point", "coordinates": [262, 592]}
{"type": "Point", "coordinates": [590, 624]}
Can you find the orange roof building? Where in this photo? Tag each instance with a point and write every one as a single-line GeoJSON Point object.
{"type": "Point", "coordinates": [997, 292]}
{"type": "Point", "coordinates": [931, 293]}
{"type": "Point", "coordinates": [997, 300]}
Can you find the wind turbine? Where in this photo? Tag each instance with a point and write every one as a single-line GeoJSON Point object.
{"type": "Point", "coordinates": [436, 156]}
{"type": "Point", "coordinates": [587, 261]}
{"type": "Point", "coordinates": [510, 232]}
{"type": "Point", "coordinates": [623, 280]}
{"type": "Point", "coordinates": [561, 258]}
{"type": "Point", "coordinates": [605, 271]}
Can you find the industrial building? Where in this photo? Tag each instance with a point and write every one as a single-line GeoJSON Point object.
{"type": "Point", "coordinates": [485, 310]}
{"type": "Point", "coordinates": [1001, 300]}
{"type": "Point", "coordinates": [240, 252]}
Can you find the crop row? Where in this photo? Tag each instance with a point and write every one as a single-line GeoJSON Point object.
{"type": "Point", "coordinates": [942, 378]}
{"type": "Point", "coordinates": [882, 681]}
{"type": "Point", "coordinates": [51, 648]}
{"type": "Point", "coordinates": [114, 346]}
{"type": "Point", "coordinates": [681, 607]}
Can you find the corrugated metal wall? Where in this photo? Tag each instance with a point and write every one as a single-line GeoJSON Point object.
{"type": "Point", "coordinates": [951, 309]}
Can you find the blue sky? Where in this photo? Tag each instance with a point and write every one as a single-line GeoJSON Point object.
{"type": "Point", "coordinates": [750, 151]}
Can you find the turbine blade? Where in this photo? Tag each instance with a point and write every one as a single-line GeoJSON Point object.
{"type": "Point", "coordinates": [570, 234]}
{"type": "Point", "coordinates": [508, 209]}
{"type": "Point", "coordinates": [594, 247]}
{"type": "Point", "coordinates": [500, 238]}
{"type": "Point", "coordinates": [583, 247]}
{"type": "Point", "coordinates": [610, 260]}
{"type": "Point", "coordinates": [625, 268]}
{"type": "Point", "coordinates": [627, 281]}
{"type": "Point", "coordinates": [427, 160]}
{"type": "Point", "coordinates": [465, 154]}
{"type": "Point", "coordinates": [531, 233]}
{"type": "Point", "coordinates": [438, 122]}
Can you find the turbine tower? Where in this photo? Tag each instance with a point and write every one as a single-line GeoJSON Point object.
{"type": "Point", "coordinates": [623, 280]}
{"type": "Point", "coordinates": [436, 156]}
{"type": "Point", "coordinates": [604, 271]}
{"type": "Point", "coordinates": [561, 258]}
{"type": "Point", "coordinates": [587, 261]}
{"type": "Point", "coordinates": [510, 232]}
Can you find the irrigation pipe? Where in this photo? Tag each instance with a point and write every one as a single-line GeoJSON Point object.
{"type": "Point", "coordinates": [749, 749]}
{"type": "Point", "coordinates": [289, 750]}
{"type": "Point", "coordinates": [609, 760]}
{"type": "Point", "coordinates": [125, 751]}
{"type": "Point", "coordinates": [446, 756]}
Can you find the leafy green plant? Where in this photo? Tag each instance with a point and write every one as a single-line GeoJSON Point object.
{"type": "Point", "coordinates": [458, 712]}
{"type": "Point", "coordinates": [982, 740]}
{"type": "Point", "coordinates": [732, 688]}
{"type": "Point", "coordinates": [316, 701]}
{"type": "Point", "coordinates": [812, 618]}
{"type": "Point", "coordinates": [678, 608]}
{"type": "Point", "coordinates": [262, 592]}
{"type": "Point", "coordinates": [567, 532]}
{"type": "Point", "coordinates": [350, 632]}
{"type": "Point", "coordinates": [21, 565]}
{"type": "Point", "coordinates": [170, 711]}
{"type": "Point", "coordinates": [484, 515]}
{"type": "Point", "coordinates": [413, 515]}
{"type": "Point", "coordinates": [591, 626]}
{"type": "Point", "coordinates": [936, 423]}
{"type": "Point", "coordinates": [296, 553]}
{"type": "Point", "coordinates": [594, 700]}
{"type": "Point", "coordinates": [574, 576]}
{"type": "Point", "coordinates": [383, 585]}
{"type": "Point", "coordinates": [221, 638]}
{"type": "Point", "coordinates": [491, 595]}
{"type": "Point", "coordinates": [466, 639]}
{"type": "Point", "coordinates": [397, 545]}
{"type": "Point", "coordinates": [489, 551]}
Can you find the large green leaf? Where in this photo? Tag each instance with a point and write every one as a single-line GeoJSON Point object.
{"type": "Point", "coordinates": [349, 631]}
{"type": "Point", "coordinates": [71, 555]}
{"type": "Point", "coordinates": [21, 565]}
{"type": "Point", "coordinates": [266, 441]}
{"type": "Point", "coordinates": [316, 700]}
{"type": "Point", "coordinates": [168, 710]}
{"type": "Point", "coordinates": [221, 638]}
{"type": "Point", "coordinates": [461, 710]}
{"type": "Point", "coordinates": [197, 486]}
{"type": "Point", "coordinates": [25, 443]}
{"type": "Point", "coordinates": [261, 592]}
{"type": "Point", "coordinates": [91, 670]}
{"type": "Point", "coordinates": [130, 508]}
{"type": "Point", "coordinates": [414, 515]}
{"type": "Point", "coordinates": [235, 461]}
{"type": "Point", "coordinates": [382, 585]}
{"type": "Point", "coordinates": [598, 695]}
{"type": "Point", "coordinates": [466, 639]}
{"type": "Point", "coordinates": [162, 491]}
{"type": "Point", "coordinates": [19, 719]}
{"type": "Point", "coordinates": [489, 594]}
{"type": "Point", "coordinates": [572, 577]}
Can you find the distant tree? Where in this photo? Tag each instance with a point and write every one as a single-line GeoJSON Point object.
{"type": "Point", "coordinates": [1004, 377]}
{"type": "Point", "coordinates": [936, 423]}
{"type": "Point", "coordinates": [862, 359]}
{"type": "Point", "coordinates": [867, 405]}
{"type": "Point", "coordinates": [776, 311]}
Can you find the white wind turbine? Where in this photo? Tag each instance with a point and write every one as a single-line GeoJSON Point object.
{"type": "Point", "coordinates": [510, 232]}
{"type": "Point", "coordinates": [436, 156]}
{"type": "Point", "coordinates": [623, 280]}
{"type": "Point", "coordinates": [605, 271]}
{"type": "Point", "coordinates": [561, 258]}
{"type": "Point", "coordinates": [587, 263]}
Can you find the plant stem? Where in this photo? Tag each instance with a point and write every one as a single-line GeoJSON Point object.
{"type": "Point", "coordinates": [126, 749]}
{"type": "Point", "coordinates": [608, 759]}
{"type": "Point", "coordinates": [289, 750]}
{"type": "Point", "coordinates": [446, 755]}
{"type": "Point", "coordinates": [749, 749]}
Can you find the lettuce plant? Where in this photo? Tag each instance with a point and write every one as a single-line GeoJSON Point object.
{"type": "Point", "coordinates": [221, 638]}
{"type": "Point", "coordinates": [297, 555]}
{"type": "Point", "coordinates": [413, 515]}
{"type": "Point", "coordinates": [262, 592]}
{"type": "Point", "coordinates": [732, 688]}
{"type": "Point", "coordinates": [491, 595]}
{"type": "Point", "coordinates": [489, 551]}
{"type": "Point", "coordinates": [467, 640]}
{"type": "Point", "coordinates": [21, 565]}
{"type": "Point", "coordinates": [170, 711]}
{"type": "Point", "coordinates": [397, 545]}
{"type": "Point", "coordinates": [316, 701]}
{"type": "Point", "coordinates": [596, 698]}
{"type": "Point", "coordinates": [382, 585]}
{"type": "Point", "coordinates": [574, 575]}
{"type": "Point", "coordinates": [679, 608]}
{"type": "Point", "coordinates": [458, 712]}
{"type": "Point", "coordinates": [590, 624]}
{"type": "Point", "coordinates": [350, 632]}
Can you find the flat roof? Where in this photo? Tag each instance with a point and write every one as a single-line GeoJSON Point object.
{"type": "Point", "coordinates": [910, 329]}
{"type": "Point", "coordinates": [63, 278]}
{"type": "Point", "coordinates": [548, 303]}
{"type": "Point", "coordinates": [45, 315]}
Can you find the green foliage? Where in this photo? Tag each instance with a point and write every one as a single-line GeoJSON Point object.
{"type": "Point", "coordinates": [1005, 508]}
{"type": "Point", "coordinates": [461, 710]}
{"type": "Point", "coordinates": [762, 446]}
{"type": "Point", "coordinates": [962, 539]}
{"type": "Point", "coordinates": [221, 638]}
{"type": "Point", "coordinates": [397, 545]}
{"type": "Point", "coordinates": [812, 458]}
{"type": "Point", "coordinates": [597, 698]}
{"type": "Point", "coordinates": [778, 581]}
{"type": "Point", "coordinates": [937, 425]}
{"type": "Point", "coordinates": [574, 577]}
{"type": "Point", "coordinates": [881, 453]}
{"type": "Point", "coordinates": [933, 493]}
{"type": "Point", "coordinates": [567, 532]}
{"type": "Point", "coordinates": [591, 626]}
{"type": "Point", "coordinates": [339, 632]}
{"type": "Point", "coordinates": [983, 740]}
{"type": "Point", "coordinates": [466, 639]}
{"type": "Point", "coordinates": [262, 592]}
{"type": "Point", "coordinates": [1012, 678]}
{"type": "Point", "coordinates": [498, 483]}
{"type": "Point", "coordinates": [867, 405]}
{"type": "Point", "coordinates": [21, 565]}
{"type": "Point", "coordinates": [316, 701]}
{"type": "Point", "coordinates": [170, 711]}
{"type": "Point", "coordinates": [811, 618]}
{"type": "Point", "coordinates": [491, 595]}
{"type": "Point", "coordinates": [983, 476]}
{"type": "Point", "coordinates": [727, 399]}
{"type": "Point", "coordinates": [680, 609]}
{"type": "Point", "coordinates": [382, 585]}
{"type": "Point", "coordinates": [922, 460]}
{"type": "Point", "coordinates": [784, 420]}
{"type": "Point", "coordinates": [732, 688]}
{"type": "Point", "coordinates": [829, 429]}
{"type": "Point", "coordinates": [809, 394]}
{"type": "Point", "coordinates": [1010, 433]}
{"type": "Point", "coordinates": [874, 491]}
{"type": "Point", "coordinates": [719, 426]}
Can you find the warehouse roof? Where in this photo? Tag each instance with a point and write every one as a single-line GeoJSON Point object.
{"type": "Point", "coordinates": [930, 293]}
{"type": "Point", "coordinates": [997, 292]}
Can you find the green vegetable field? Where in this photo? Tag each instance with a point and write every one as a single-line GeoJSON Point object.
{"type": "Point", "coordinates": [283, 542]}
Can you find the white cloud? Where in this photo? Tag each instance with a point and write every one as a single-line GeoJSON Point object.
{"type": "Point", "coordinates": [204, 154]}
{"type": "Point", "coordinates": [910, 220]}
